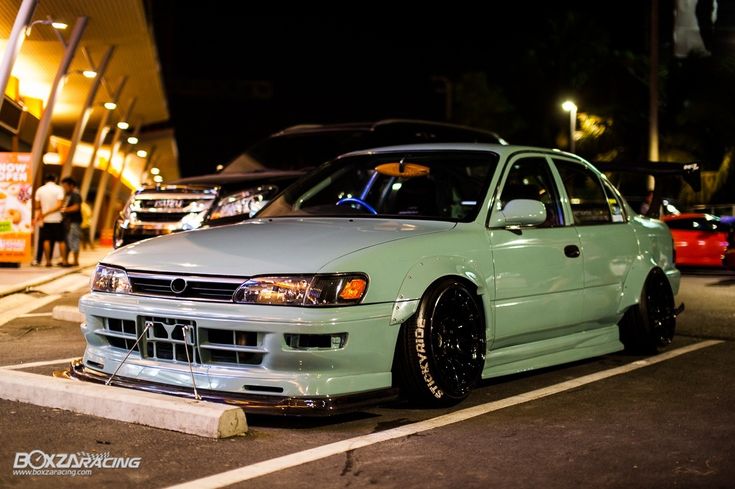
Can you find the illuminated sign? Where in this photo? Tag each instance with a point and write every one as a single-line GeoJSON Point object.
{"type": "Point", "coordinates": [16, 208]}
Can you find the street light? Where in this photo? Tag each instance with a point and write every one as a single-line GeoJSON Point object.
{"type": "Point", "coordinates": [571, 107]}
{"type": "Point", "coordinates": [59, 26]}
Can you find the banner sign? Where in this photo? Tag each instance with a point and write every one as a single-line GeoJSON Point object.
{"type": "Point", "coordinates": [16, 207]}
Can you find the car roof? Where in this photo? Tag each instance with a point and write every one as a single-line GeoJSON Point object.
{"type": "Point", "coordinates": [501, 149]}
{"type": "Point", "coordinates": [376, 125]}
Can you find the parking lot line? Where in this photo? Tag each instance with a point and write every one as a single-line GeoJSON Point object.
{"type": "Point", "coordinates": [38, 364]}
{"type": "Point", "coordinates": [299, 458]}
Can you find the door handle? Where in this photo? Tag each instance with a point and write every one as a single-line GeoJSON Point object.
{"type": "Point", "coordinates": [572, 251]}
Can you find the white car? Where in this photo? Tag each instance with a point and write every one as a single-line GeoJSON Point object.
{"type": "Point", "coordinates": [421, 268]}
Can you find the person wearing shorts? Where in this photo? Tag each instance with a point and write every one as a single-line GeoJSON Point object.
{"type": "Point", "coordinates": [49, 200]}
{"type": "Point", "coordinates": [72, 212]}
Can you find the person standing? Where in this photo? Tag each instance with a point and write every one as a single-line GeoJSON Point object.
{"type": "Point", "coordinates": [49, 201]}
{"type": "Point", "coordinates": [72, 212]}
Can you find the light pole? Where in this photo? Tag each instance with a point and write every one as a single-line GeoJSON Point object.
{"type": "Point", "coordinates": [571, 107]}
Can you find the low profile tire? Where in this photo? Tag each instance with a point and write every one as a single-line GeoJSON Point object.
{"type": "Point", "coordinates": [441, 349]}
{"type": "Point", "coordinates": [651, 323]}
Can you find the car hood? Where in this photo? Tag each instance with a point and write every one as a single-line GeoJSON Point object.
{"type": "Point", "coordinates": [266, 246]}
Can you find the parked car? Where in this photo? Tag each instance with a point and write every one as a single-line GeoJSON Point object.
{"type": "Point", "coordinates": [258, 174]}
{"type": "Point", "coordinates": [728, 260]}
{"type": "Point", "coordinates": [415, 269]}
{"type": "Point", "coordinates": [700, 240]}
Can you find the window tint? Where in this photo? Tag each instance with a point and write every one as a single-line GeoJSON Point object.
{"type": "Point", "coordinates": [531, 178]}
{"type": "Point", "coordinates": [617, 210]}
{"type": "Point", "coordinates": [681, 224]}
{"type": "Point", "coordinates": [586, 195]}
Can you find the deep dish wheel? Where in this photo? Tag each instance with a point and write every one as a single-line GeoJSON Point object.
{"type": "Point", "coordinates": [651, 323]}
{"type": "Point", "coordinates": [441, 350]}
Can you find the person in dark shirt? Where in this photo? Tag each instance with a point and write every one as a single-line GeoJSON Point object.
{"type": "Point", "coordinates": [72, 212]}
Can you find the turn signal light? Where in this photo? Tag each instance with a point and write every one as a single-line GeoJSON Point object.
{"type": "Point", "coordinates": [353, 290]}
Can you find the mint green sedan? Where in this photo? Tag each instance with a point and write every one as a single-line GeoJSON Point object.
{"type": "Point", "coordinates": [410, 270]}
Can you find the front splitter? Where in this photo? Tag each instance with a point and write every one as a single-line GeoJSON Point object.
{"type": "Point", "coordinates": [250, 403]}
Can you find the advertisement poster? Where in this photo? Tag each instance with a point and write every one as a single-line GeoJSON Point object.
{"type": "Point", "coordinates": [16, 207]}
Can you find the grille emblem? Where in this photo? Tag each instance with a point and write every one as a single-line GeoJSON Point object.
{"type": "Point", "coordinates": [178, 285]}
{"type": "Point", "coordinates": [168, 203]}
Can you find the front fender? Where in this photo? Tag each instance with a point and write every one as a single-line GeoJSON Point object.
{"type": "Point", "coordinates": [430, 269]}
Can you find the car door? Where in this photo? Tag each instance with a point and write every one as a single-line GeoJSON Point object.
{"type": "Point", "coordinates": [609, 243]}
{"type": "Point", "coordinates": [538, 270]}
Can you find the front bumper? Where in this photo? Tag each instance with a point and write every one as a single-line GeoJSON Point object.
{"type": "Point", "coordinates": [267, 365]}
{"type": "Point", "coordinates": [250, 403]}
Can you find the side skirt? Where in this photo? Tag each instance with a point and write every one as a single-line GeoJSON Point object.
{"type": "Point", "coordinates": [554, 351]}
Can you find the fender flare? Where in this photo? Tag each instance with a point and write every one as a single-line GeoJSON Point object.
{"type": "Point", "coordinates": [635, 280]}
{"type": "Point", "coordinates": [427, 271]}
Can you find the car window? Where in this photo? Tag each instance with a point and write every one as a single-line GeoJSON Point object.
{"type": "Point", "coordinates": [681, 224]}
{"type": "Point", "coordinates": [586, 196]}
{"type": "Point", "coordinates": [531, 178]}
{"type": "Point", "coordinates": [615, 201]}
{"type": "Point", "coordinates": [445, 186]}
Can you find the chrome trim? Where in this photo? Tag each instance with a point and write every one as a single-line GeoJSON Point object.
{"type": "Point", "coordinates": [198, 278]}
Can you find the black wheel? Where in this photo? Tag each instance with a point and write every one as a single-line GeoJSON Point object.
{"type": "Point", "coordinates": [441, 350]}
{"type": "Point", "coordinates": [651, 323]}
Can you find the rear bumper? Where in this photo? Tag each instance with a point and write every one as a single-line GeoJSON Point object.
{"type": "Point", "coordinates": [250, 403]}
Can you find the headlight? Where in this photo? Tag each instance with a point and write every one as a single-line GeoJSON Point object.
{"type": "Point", "coordinates": [110, 279]}
{"type": "Point", "coordinates": [245, 203]}
{"type": "Point", "coordinates": [303, 290]}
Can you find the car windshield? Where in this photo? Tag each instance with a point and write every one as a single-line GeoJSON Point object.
{"type": "Point", "coordinates": [436, 185]}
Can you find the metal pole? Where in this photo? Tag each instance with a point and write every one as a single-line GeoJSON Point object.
{"type": "Point", "coordinates": [112, 201]}
{"type": "Point", "coordinates": [653, 92]}
{"type": "Point", "coordinates": [17, 36]}
{"type": "Point", "coordinates": [572, 128]}
{"type": "Point", "coordinates": [102, 186]}
{"type": "Point", "coordinates": [102, 131]}
{"type": "Point", "coordinates": [39, 141]}
{"type": "Point", "coordinates": [116, 186]}
{"type": "Point", "coordinates": [87, 109]}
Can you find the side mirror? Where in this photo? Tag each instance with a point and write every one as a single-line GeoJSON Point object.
{"type": "Point", "coordinates": [521, 212]}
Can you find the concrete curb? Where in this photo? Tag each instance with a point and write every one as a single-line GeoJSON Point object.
{"type": "Point", "coordinates": [51, 276]}
{"type": "Point", "coordinates": [200, 418]}
{"type": "Point", "coordinates": [67, 313]}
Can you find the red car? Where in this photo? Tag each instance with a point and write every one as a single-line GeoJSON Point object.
{"type": "Point", "coordinates": [700, 240]}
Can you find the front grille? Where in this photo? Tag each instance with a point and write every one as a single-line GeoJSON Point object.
{"type": "Point", "coordinates": [223, 346]}
{"type": "Point", "coordinates": [219, 289]}
{"type": "Point", "coordinates": [120, 333]}
{"type": "Point", "coordinates": [160, 216]}
{"type": "Point", "coordinates": [168, 339]}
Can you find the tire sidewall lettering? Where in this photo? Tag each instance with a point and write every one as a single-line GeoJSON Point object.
{"type": "Point", "coordinates": [423, 359]}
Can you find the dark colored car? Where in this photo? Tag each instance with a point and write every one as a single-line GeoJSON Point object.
{"type": "Point", "coordinates": [700, 240]}
{"type": "Point", "coordinates": [257, 175]}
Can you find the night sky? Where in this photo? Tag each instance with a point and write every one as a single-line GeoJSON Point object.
{"type": "Point", "coordinates": [233, 78]}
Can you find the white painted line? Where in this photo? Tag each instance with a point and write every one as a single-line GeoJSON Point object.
{"type": "Point", "coordinates": [36, 315]}
{"type": "Point", "coordinates": [299, 458]}
{"type": "Point", "coordinates": [160, 411]}
{"type": "Point", "coordinates": [68, 313]}
{"type": "Point", "coordinates": [23, 304]}
{"type": "Point", "coordinates": [38, 364]}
